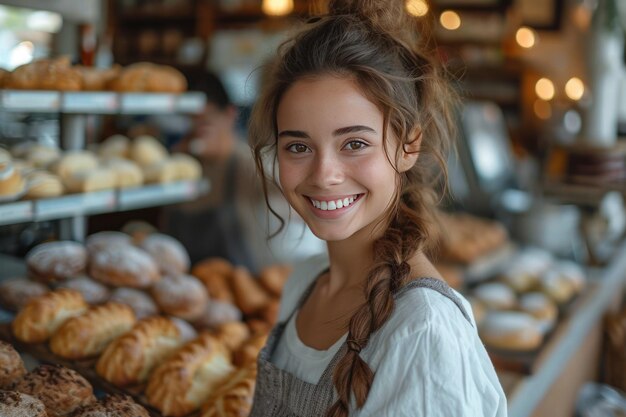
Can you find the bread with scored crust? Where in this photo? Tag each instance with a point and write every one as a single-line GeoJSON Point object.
{"type": "Point", "coordinates": [185, 381]}
{"type": "Point", "coordinates": [43, 315]}
{"type": "Point", "coordinates": [89, 334]}
{"type": "Point", "coordinates": [130, 358]}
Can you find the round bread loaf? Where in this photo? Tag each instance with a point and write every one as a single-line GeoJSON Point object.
{"type": "Point", "coordinates": [187, 331]}
{"type": "Point", "coordinates": [43, 315]}
{"type": "Point", "coordinates": [216, 313]}
{"type": "Point", "coordinates": [93, 292]}
{"type": "Point", "coordinates": [169, 254]}
{"type": "Point", "coordinates": [11, 366]}
{"type": "Point", "coordinates": [124, 266]}
{"type": "Point", "coordinates": [541, 307]}
{"type": "Point", "coordinates": [510, 330]}
{"type": "Point", "coordinates": [101, 240]}
{"type": "Point", "coordinates": [16, 292]}
{"type": "Point", "coordinates": [141, 302]}
{"type": "Point", "coordinates": [495, 295]}
{"type": "Point", "coordinates": [56, 261]}
{"type": "Point", "coordinates": [147, 150]}
{"type": "Point", "coordinates": [41, 156]}
{"type": "Point", "coordinates": [73, 162]}
{"type": "Point", "coordinates": [62, 390]}
{"type": "Point", "coordinates": [116, 146]}
{"type": "Point", "coordinates": [41, 184]}
{"type": "Point", "coordinates": [16, 404]}
{"type": "Point", "coordinates": [182, 296]}
{"type": "Point", "coordinates": [115, 405]}
{"type": "Point", "coordinates": [187, 167]}
{"type": "Point", "coordinates": [127, 173]}
{"type": "Point", "coordinates": [11, 181]}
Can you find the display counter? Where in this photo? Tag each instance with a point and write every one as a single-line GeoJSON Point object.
{"type": "Point", "coordinates": [572, 356]}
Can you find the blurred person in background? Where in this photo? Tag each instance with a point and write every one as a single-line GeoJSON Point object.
{"type": "Point", "coordinates": [232, 221]}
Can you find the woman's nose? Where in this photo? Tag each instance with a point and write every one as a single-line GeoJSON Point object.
{"type": "Point", "coordinates": [327, 170]}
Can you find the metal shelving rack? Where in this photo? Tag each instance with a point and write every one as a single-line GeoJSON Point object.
{"type": "Point", "coordinates": [73, 108]}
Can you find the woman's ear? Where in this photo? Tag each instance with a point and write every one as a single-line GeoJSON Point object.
{"type": "Point", "coordinates": [410, 150]}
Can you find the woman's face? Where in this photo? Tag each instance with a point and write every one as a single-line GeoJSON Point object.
{"type": "Point", "coordinates": [333, 167]}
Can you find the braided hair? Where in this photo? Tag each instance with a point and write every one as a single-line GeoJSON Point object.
{"type": "Point", "coordinates": [381, 47]}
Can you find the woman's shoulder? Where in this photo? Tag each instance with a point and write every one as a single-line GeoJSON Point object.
{"type": "Point", "coordinates": [423, 309]}
{"type": "Point", "coordinates": [302, 277]}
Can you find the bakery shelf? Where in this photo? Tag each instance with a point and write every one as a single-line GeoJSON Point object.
{"type": "Point", "coordinates": [101, 202]}
{"type": "Point", "coordinates": [490, 264]}
{"type": "Point", "coordinates": [85, 102]}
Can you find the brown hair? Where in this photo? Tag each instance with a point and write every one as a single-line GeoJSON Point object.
{"type": "Point", "coordinates": [379, 46]}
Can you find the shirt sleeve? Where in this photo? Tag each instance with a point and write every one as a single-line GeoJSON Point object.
{"type": "Point", "coordinates": [433, 373]}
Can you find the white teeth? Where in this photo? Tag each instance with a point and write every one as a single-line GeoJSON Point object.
{"type": "Point", "coordinates": [333, 204]}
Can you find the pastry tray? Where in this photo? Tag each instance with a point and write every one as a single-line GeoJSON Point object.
{"type": "Point", "coordinates": [85, 367]}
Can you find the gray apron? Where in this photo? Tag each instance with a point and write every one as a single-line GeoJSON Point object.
{"type": "Point", "coordinates": [280, 394]}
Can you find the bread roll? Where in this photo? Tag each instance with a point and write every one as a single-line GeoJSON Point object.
{"type": "Point", "coordinates": [249, 295]}
{"type": "Point", "coordinates": [73, 162]}
{"type": "Point", "coordinates": [93, 292]}
{"type": "Point", "coordinates": [130, 358]}
{"type": "Point", "coordinates": [101, 240]}
{"type": "Point", "coordinates": [147, 150]}
{"type": "Point", "coordinates": [16, 404]}
{"type": "Point", "coordinates": [56, 261]}
{"type": "Point", "coordinates": [541, 307]}
{"type": "Point", "coordinates": [216, 313]}
{"type": "Point", "coordinates": [41, 184]}
{"type": "Point", "coordinates": [148, 77]}
{"type": "Point", "coordinates": [124, 266]}
{"type": "Point", "coordinates": [11, 366]}
{"type": "Point", "coordinates": [142, 304]}
{"type": "Point", "coordinates": [495, 295]}
{"type": "Point", "coordinates": [41, 156]}
{"type": "Point", "coordinates": [115, 405]}
{"type": "Point", "coordinates": [89, 181]}
{"type": "Point", "coordinates": [187, 167]}
{"type": "Point", "coordinates": [88, 334]}
{"type": "Point", "coordinates": [127, 173]}
{"type": "Point", "coordinates": [169, 254]}
{"type": "Point", "coordinates": [187, 331]}
{"type": "Point", "coordinates": [161, 172]}
{"type": "Point", "coordinates": [212, 266]}
{"type": "Point", "coordinates": [248, 353]}
{"type": "Point", "coordinates": [234, 398]}
{"type": "Point", "coordinates": [116, 146]}
{"type": "Point", "coordinates": [62, 390]}
{"type": "Point", "coordinates": [274, 277]}
{"type": "Point", "coordinates": [184, 382]}
{"type": "Point", "coordinates": [182, 296]}
{"type": "Point", "coordinates": [510, 330]}
{"type": "Point", "coordinates": [11, 181]}
{"type": "Point", "coordinates": [97, 79]}
{"type": "Point", "coordinates": [16, 292]}
{"type": "Point", "coordinates": [43, 315]}
{"type": "Point", "coordinates": [232, 334]}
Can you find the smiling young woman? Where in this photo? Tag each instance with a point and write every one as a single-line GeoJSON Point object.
{"type": "Point", "coordinates": [359, 120]}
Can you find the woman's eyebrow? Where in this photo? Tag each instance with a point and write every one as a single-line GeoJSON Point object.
{"type": "Point", "coordinates": [352, 129]}
{"type": "Point", "coordinates": [338, 132]}
{"type": "Point", "coordinates": [294, 134]}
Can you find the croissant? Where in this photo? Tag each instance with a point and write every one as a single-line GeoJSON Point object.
{"type": "Point", "coordinates": [234, 398]}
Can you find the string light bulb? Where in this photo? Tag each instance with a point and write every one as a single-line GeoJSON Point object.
{"type": "Point", "coordinates": [525, 37]}
{"type": "Point", "coordinates": [450, 20]}
{"type": "Point", "coordinates": [574, 88]}
{"type": "Point", "coordinates": [545, 89]}
{"type": "Point", "coordinates": [277, 7]}
{"type": "Point", "coordinates": [417, 8]}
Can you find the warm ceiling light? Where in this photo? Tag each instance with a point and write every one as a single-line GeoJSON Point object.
{"type": "Point", "coordinates": [277, 7]}
{"type": "Point", "coordinates": [525, 37]}
{"type": "Point", "coordinates": [450, 20]}
{"type": "Point", "coordinates": [543, 109]}
{"type": "Point", "coordinates": [544, 89]}
{"type": "Point", "coordinates": [417, 8]}
{"type": "Point", "coordinates": [574, 88]}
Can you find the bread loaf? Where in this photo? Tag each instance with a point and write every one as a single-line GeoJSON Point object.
{"type": "Point", "coordinates": [56, 261]}
{"type": "Point", "coordinates": [88, 334]}
{"type": "Point", "coordinates": [184, 382]}
{"type": "Point", "coordinates": [234, 397]}
{"type": "Point", "coordinates": [11, 366]}
{"type": "Point", "coordinates": [130, 358]}
{"type": "Point", "coordinates": [43, 315]}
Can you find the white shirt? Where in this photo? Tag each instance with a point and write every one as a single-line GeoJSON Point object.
{"type": "Point", "coordinates": [427, 359]}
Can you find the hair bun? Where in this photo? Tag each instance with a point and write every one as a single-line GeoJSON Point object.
{"type": "Point", "coordinates": [388, 16]}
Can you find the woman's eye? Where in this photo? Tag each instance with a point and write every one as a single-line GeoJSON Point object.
{"type": "Point", "coordinates": [355, 145]}
{"type": "Point", "coordinates": [297, 148]}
